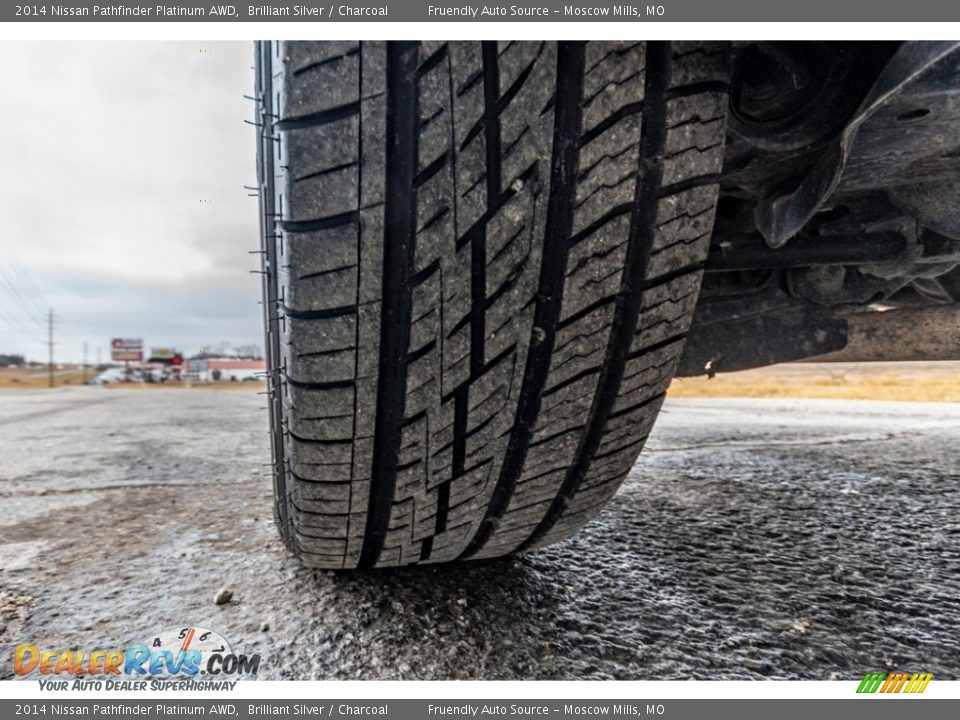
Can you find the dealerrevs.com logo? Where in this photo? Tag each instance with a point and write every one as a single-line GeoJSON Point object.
{"type": "Point", "coordinates": [182, 658]}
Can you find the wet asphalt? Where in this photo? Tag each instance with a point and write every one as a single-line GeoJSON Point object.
{"type": "Point", "coordinates": [754, 539]}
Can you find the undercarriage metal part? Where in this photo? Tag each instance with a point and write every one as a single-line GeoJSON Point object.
{"type": "Point", "coordinates": [790, 333]}
{"type": "Point", "coordinates": [752, 253]}
{"type": "Point", "coordinates": [935, 204]}
{"type": "Point", "coordinates": [874, 279]}
{"type": "Point", "coordinates": [790, 95]}
{"type": "Point", "coordinates": [805, 332]}
{"type": "Point", "coordinates": [903, 133]}
{"type": "Point", "coordinates": [929, 333]}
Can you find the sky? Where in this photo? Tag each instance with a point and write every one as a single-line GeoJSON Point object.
{"type": "Point", "coordinates": [122, 205]}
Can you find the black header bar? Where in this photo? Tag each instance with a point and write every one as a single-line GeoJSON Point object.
{"type": "Point", "coordinates": [522, 11]}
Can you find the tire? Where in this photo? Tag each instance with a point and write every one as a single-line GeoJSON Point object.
{"type": "Point", "coordinates": [537, 216]}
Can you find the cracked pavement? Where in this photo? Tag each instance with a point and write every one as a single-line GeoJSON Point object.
{"type": "Point", "coordinates": [754, 539]}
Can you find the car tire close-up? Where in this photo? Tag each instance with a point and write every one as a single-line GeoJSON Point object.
{"type": "Point", "coordinates": [481, 261]}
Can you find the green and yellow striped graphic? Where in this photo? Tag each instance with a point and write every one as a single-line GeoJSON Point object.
{"type": "Point", "coordinates": [898, 682]}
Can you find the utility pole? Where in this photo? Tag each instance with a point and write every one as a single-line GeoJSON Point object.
{"type": "Point", "coordinates": [50, 345]}
{"type": "Point", "coordinates": [84, 362]}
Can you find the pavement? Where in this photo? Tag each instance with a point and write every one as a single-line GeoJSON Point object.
{"type": "Point", "coordinates": [754, 539]}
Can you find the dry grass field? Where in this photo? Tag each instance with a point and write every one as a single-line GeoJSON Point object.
{"type": "Point", "coordinates": [213, 387]}
{"type": "Point", "coordinates": [34, 378]}
{"type": "Point", "coordinates": [37, 378]}
{"type": "Point", "coordinates": [920, 381]}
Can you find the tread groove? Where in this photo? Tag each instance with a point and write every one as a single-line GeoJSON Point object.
{"type": "Point", "coordinates": [608, 122]}
{"type": "Point", "coordinates": [398, 249]}
{"type": "Point", "coordinates": [326, 171]}
{"type": "Point", "coordinates": [688, 184]}
{"type": "Point", "coordinates": [563, 168]}
{"type": "Point", "coordinates": [478, 257]}
{"type": "Point", "coordinates": [653, 139]}
{"type": "Point", "coordinates": [437, 57]}
{"type": "Point", "coordinates": [499, 103]}
{"type": "Point", "coordinates": [324, 223]}
{"type": "Point", "coordinates": [326, 61]}
{"type": "Point", "coordinates": [325, 314]}
{"type": "Point", "coordinates": [697, 88]}
{"type": "Point", "coordinates": [432, 169]}
{"type": "Point", "coordinates": [317, 119]}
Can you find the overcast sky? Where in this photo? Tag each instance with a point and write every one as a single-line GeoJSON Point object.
{"type": "Point", "coordinates": [121, 198]}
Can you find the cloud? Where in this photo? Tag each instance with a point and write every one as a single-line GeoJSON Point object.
{"type": "Point", "coordinates": [122, 168]}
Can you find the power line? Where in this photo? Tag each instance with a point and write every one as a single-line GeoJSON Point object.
{"type": "Point", "coordinates": [17, 311]}
{"type": "Point", "coordinates": [21, 271]}
{"type": "Point", "coordinates": [14, 320]}
{"type": "Point", "coordinates": [19, 284]}
{"type": "Point", "coordinates": [18, 296]}
{"type": "Point", "coordinates": [18, 279]}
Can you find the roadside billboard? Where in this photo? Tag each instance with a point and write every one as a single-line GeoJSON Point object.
{"type": "Point", "coordinates": [126, 349]}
